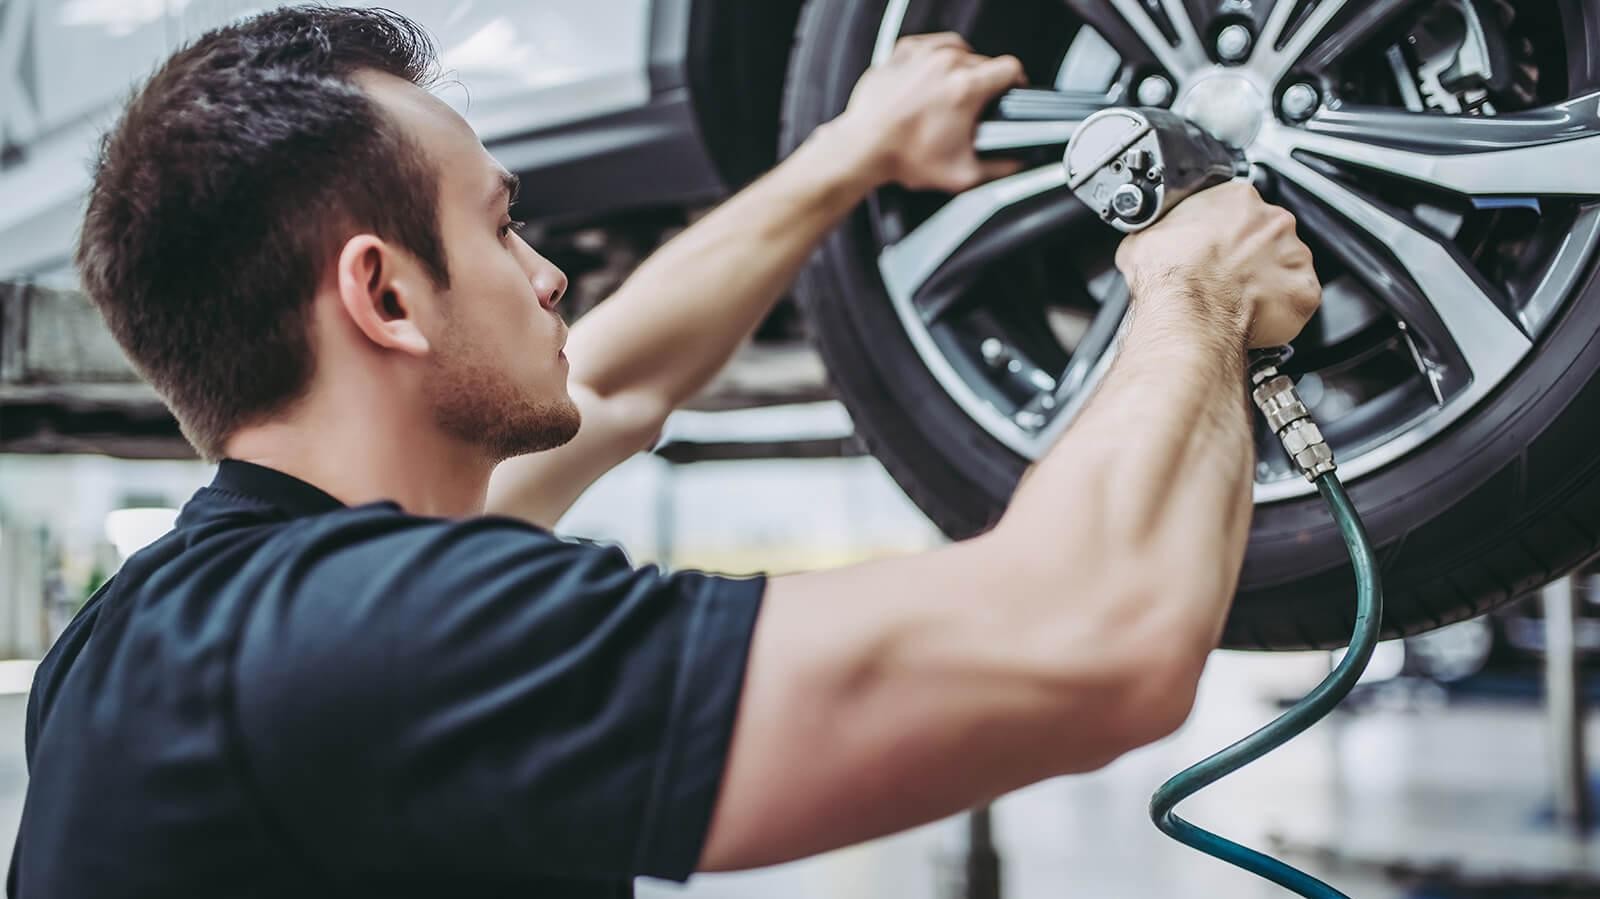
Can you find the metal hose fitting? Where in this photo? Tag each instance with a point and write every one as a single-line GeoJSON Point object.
{"type": "Point", "coordinates": [1286, 414]}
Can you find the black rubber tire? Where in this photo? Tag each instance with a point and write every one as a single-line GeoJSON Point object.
{"type": "Point", "coordinates": [1501, 503]}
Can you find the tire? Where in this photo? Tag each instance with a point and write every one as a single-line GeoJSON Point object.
{"type": "Point", "coordinates": [1500, 503]}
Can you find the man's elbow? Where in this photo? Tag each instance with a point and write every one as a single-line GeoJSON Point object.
{"type": "Point", "coordinates": [1154, 668]}
{"type": "Point", "coordinates": [1119, 667]}
{"type": "Point", "coordinates": [633, 419]}
{"type": "Point", "coordinates": [1149, 706]}
{"type": "Point", "coordinates": [1159, 701]}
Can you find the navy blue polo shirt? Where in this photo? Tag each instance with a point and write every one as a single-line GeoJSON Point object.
{"type": "Point", "coordinates": [288, 697]}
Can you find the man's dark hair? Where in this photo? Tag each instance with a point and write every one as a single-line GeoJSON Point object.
{"type": "Point", "coordinates": [225, 192]}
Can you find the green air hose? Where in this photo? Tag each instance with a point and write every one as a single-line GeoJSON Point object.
{"type": "Point", "coordinates": [1134, 166]}
{"type": "Point", "coordinates": [1274, 394]}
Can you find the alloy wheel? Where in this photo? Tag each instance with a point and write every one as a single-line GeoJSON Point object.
{"type": "Point", "coordinates": [1440, 157]}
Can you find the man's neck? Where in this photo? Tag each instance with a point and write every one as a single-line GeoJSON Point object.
{"type": "Point", "coordinates": [359, 462]}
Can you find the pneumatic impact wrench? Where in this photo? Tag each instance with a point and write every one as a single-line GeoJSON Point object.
{"type": "Point", "coordinates": [1131, 167]}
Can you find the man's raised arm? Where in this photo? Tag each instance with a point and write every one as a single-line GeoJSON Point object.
{"type": "Point", "coordinates": [681, 316]}
{"type": "Point", "coordinates": [887, 695]}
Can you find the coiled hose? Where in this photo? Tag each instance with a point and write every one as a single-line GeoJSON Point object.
{"type": "Point", "coordinates": [1308, 711]}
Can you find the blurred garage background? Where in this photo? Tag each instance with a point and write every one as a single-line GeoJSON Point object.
{"type": "Point", "coordinates": [1448, 774]}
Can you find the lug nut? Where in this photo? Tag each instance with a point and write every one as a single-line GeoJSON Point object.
{"type": "Point", "coordinates": [993, 351]}
{"type": "Point", "coordinates": [1299, 102]}
{"type": "Point", "coordinates": [1029, 420]}
{"type": "Point", "coordinates": [1155, 90]}
{"type": "Point", "coordinates": [1233, 43]}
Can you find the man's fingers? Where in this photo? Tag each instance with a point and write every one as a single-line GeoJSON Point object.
{"type": "Point", "coordinates": [992, 76]}
{"type": "Point", "coordinates": [973, 171]}
{"type": "Point", "coordinates": [923, 43]}
{"type": "Point", "coordinates": [930, 95]}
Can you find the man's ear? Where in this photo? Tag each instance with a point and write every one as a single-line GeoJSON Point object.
{"type": "Point", "coordinates": [381, 294]}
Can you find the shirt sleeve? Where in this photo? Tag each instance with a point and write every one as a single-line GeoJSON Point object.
{"type": "Point", "coordinates": [425, 697]}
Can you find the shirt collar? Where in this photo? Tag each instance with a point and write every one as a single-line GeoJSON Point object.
{"type": "Point", "coordinates": [272, 487]}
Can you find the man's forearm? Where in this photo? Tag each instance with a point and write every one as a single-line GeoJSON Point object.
{"type": "Point", "coordinates": [1162, 458]}
{"type": "Point", "coordinates": [1071, 633]}
{"type": "Point", "coordinates": [682, 314]}
{"type": "Point", "coordinates": [679, 318]}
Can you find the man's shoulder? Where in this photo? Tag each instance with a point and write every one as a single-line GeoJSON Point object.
{"type": "Point", "coordinates": [231, 580]}
{"type": "Point", "coordinates": [378, 567]}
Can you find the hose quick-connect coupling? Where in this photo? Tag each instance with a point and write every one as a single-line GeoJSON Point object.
{"type": "Point", "coordinates": [1288, 417]}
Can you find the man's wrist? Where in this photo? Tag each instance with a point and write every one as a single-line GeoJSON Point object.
{"type": "Point", "coordinates": [1193, 301]}
{"type": "Point", "coordinates": [856, 151]}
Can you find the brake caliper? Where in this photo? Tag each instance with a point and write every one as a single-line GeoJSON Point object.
{"type": "Point", "coordinates": [1465, 57]}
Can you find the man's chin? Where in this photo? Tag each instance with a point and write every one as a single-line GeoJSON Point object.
{"type": "Point", "coordinates": [546, 428]}
{"type": "Point", "coordinates": [569, 426]}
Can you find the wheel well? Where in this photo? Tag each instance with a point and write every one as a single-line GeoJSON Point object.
{"type": "Point", "coordinates": [737, 60]}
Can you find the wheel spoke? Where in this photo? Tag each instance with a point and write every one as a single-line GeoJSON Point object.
{"type": "Point", "coordinates": [1096, 341]}
{"type": "Point", "coordinates": [1439, 358]}
{"type": "Point", "coordinates": [1273, 61]}
{"type": "Point", "coordinates": [1471, 326]}
{"type": "Point", "coordinates": [1076, 389]}
{"type": "Point", "coordinates": [947, 244]}
{"type": "Point", "coordinates": [1549, 152]}
{"type": "Point", "coordinates": [1030, 119]}
{"type": "Point", "coordinates": [1012, 228]}
{"type": "Point", "coordinates": [1188, 38]}
{"type": "Point", "coordinates": [1444, 135]}
{"type": "Point", "coordinates": [1361, 27]}
{"type": "Point", "coordinates": [1129, 28]}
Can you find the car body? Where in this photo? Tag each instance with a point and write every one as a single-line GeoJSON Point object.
{"type": "Point", "coordinates": [621, 116]}
{"type": "Point", "coordinates": [603, 106]}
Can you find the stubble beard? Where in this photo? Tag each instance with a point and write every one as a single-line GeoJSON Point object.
{"type": "Point", "coordinates": [479, 404]}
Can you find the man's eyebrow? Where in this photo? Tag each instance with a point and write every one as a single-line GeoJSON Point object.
{"type": "Point", "coordinates": [510, 187]}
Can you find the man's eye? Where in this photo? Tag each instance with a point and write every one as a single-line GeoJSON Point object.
{"type": "Point", "coordinates": [509, 227]}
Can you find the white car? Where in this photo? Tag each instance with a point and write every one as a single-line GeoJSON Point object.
{"type": "Point", "coordinates": [605, 105]}
{"type": "Point", "coordinates": [1439, 156]}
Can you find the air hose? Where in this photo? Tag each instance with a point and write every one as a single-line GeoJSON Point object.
{"type": "Point", "coordinates": [1274, 394]}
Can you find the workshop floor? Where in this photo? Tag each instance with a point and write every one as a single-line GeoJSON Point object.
{"type": "Point", "coordinates": [1462, 786]}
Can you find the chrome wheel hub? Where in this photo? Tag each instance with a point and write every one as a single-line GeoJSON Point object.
{"type": "Point", "coordinates": [1228, 105]}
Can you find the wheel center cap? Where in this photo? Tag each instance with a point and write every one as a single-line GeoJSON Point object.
{"type": "Point", "coordinates": [1230, 107]}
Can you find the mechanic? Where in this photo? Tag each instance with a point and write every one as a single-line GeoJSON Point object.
{"type": "Point", "coordinates": [339, 676]}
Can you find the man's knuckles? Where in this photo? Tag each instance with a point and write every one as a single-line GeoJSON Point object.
{"type": "Point", "coordinates": [914, 44]}
{"type": "Point", "coordinates": [1308, 299]}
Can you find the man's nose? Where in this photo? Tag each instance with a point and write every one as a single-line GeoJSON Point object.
{"type": "Point", "coordinates": [550, 284]}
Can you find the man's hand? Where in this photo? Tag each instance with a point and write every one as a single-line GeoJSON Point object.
{"type": "Point", "coordinates": [916, 116]}
{"type": "Point", "coordinates": [1238, 253]}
